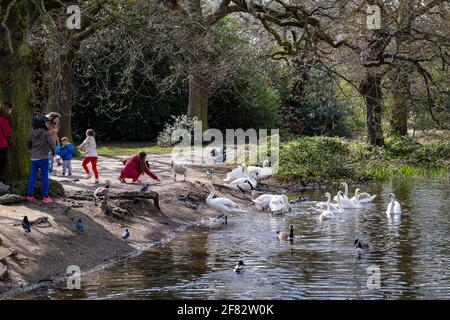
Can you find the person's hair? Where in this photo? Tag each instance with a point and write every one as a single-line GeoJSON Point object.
{"type": "Point", "coordinates": [64, 139]}
{"type": "Point", "coordinates": [53, 115]}
{"type": "Point", "coordinates": [4, 109]}
{"type": "Point", "coordinates": [142, 165]}
{"type": "Point", "coordinates": [90, 132]}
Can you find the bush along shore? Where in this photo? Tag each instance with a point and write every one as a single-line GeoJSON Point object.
{"type": "Point", "coordinates": [326, 160]}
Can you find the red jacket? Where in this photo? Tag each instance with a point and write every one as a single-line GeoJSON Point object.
{"type": "Point", "coordinates": [5, 132]}
{"type": "Point", "coordinates": [131, 169]}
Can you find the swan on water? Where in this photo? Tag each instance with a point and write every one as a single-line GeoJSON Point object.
{"type": "Point", "coordinates": [394, 205]}
{"type": "Point", "coordinates": [327, 214]}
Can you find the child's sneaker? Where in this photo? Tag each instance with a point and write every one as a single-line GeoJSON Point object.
{"type": "Point", "coordinates": [47, 199]}
{"type": "Point", "coordinates": [88, 176]}
{"type": "Point", "coordinates": [31, 198]}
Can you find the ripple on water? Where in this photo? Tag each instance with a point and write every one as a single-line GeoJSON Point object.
{"type": "Point", "coordinates": [411, 252]}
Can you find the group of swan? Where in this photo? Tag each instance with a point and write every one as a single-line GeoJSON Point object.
{"type": "Point", "coordinates": [243, 184]}
{"type": "Point", "coordinates": [343, 202]}
{"type": "Point", "coordinates": [355, 201]}
{"type": "Point", "coordinates": [276, 203]}
{"type": "Point", "coordinates": [257, 173]}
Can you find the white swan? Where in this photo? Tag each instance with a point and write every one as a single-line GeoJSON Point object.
{"type": "Point", "coordinates": [243, 184]}
{"type": "Point", "coordinates": [239, 172]}
{"type": "Point", "coordinates": [263, 173]}
{"type": "Point", "coordinates": [362, 197]}
{"type": "Point", "coordinates": [335, 207]}
{"type": "Point", "coordinates": [278, 203]}
{"type": "Point", "coordinates": [222, 205]}
{"type": "Point", "coordinates": [327, 214]}
{"type": "Point", "coordinates": [345, 201]}
{"type": "Point", "coordinates": [262, 202]}
{"type": "Point", "coordinates": [218, 155]}
{"type": "Point", "coordinates": [393, 205]}
{"type": "Point", "coordinates": [178, 167]}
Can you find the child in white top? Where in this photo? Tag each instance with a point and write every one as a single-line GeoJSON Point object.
{"type": "Point", "coordinates": [90, 147]}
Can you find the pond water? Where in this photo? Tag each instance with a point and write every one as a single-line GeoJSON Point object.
{"type": "Point", "coordinates": [412, 254]}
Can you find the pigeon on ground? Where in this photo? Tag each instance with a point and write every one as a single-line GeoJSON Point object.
{"type": "Point", "coordinates": [144, 188]}
{"type": "Point", "coordinates": [125, 234]}
{"type": "Point", "coordinates": [26, 225]}
{"type": "Point", "coordinates": [209, 174]}
{"type": "Point", "coordinates": [79, 226]}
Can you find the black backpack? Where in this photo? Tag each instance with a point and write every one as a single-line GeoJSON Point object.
{"type": "Point", "coordinates": [39, 121]}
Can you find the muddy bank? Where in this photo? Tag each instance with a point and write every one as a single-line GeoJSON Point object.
{"type": "Point", "coordinates": [54, 244]}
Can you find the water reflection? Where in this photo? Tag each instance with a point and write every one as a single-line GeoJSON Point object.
{"type": "Point", "coordinates": [411, 251]}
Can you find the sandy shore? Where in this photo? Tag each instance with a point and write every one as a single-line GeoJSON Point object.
{"type": "Point", "coordinates": [46, 254]}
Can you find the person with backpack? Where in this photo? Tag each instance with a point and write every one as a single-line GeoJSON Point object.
{"type": "Point", "coordinates": [40, 143]}
{"type": "Point", "coordinates": [66, 152]}
{"type": "Point", "coordinates": [5, 131]}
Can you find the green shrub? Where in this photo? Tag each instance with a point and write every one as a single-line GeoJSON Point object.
{"type": "Point", "coordinates": [325, 159]}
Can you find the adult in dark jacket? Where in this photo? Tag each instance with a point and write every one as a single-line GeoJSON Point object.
{"type": "Point", "coordinates": [40, 143]}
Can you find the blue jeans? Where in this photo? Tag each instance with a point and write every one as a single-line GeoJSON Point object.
{"type": "Point", "coordinates": [37, 165]}
{"type": "Point", "coordinates": [50, 163]}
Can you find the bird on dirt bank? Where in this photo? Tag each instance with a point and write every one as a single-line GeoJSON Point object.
{"type": "Point", "coordinates": [26, 225]}
{"type": "Point", "coordinates": [144, 188]}
{"type": "Point", "coordinates": [101, 193]}
{"type": "Point", "coordinates": [79, 226]}
{"type": "Point", "coordinates": [125, 234]}
{"type": "Point", "coordinates": [178, 167]}
{"type": "Point", "coordinates": [209, 174]}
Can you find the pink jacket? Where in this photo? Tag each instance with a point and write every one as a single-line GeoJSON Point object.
{"type": "Point", "coordinates": [5, 132]}
{"type": "Point", "coordinates": [131, 169]}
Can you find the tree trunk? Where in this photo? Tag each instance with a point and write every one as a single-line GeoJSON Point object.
{"type": "Point", "coordinates": [17, 65]}
{"type": "Point", "coordinates": [198, 102]}
{"type": "Point", "coordinates": [400, 73]}
{"type": "Point", "coordinates": [370, 89]}
{"type": "Point", "coordinates": [400, 94]}
{"type": "Point", "coordinates": [61, 90]}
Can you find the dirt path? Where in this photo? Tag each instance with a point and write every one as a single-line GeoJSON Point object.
{"type": "Point", "coordinates": [53, 246]}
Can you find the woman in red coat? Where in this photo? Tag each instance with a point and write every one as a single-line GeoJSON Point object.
{"type": "Point", "coordinates": [5, 131]}
{"type": "Point", "coordinates": [135, 167]}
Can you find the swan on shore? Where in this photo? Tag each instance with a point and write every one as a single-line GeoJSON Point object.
{"type": "Point", "coordinates": [243, 184]}
{"type": "Point", "coordinates": [178, 167]}
{"type": "Point", "coordinates": [221, 204]}
{"type": "Point", "coordinates": [263, 173]}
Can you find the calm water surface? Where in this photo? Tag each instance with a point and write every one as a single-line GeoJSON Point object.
{"type": "Point", "coordinates": [412, 252]}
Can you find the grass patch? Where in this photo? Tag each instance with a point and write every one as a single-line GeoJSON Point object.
{"type": "Point", "coordinates": [130, 148]}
